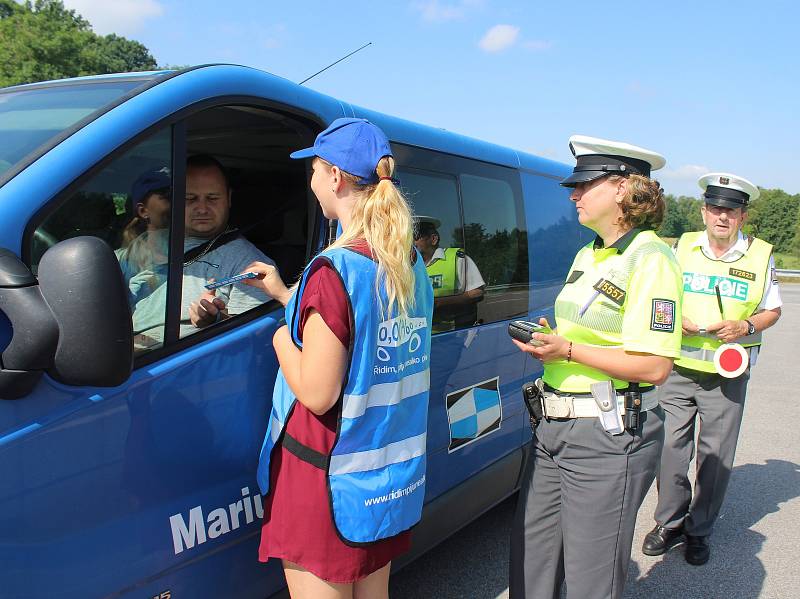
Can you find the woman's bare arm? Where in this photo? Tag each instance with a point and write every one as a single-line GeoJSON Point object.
{"type": "Point", "coordinates": [315, 375]}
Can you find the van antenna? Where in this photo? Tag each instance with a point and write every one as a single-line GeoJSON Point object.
{"type": "Point", "coordinates": [334, 63]}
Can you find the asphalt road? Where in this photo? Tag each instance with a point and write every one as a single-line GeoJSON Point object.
{"type": "Point", "coordinates": [756, 542]}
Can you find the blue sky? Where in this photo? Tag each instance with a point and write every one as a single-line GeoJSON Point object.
{"type": "Point", "coordinates": [712, 85]}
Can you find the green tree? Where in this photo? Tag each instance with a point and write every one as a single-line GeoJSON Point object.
{"type": "Point", "coordinates": [796, 240]}
{"type": "Point", "coordinates": [43, 40]}
{"type": "Point", "coordinates": [773, 217]}
{"type": "Point", "coordinates": [116, 54]}
{"type": "Point", "coordinates": [8, 8]}
{"type": "Point", "coordinates": [690, 211]}
{"type": "Point", "coordinates": [682, 214]}
{"type": "Point", "coordinates": [672, 225]}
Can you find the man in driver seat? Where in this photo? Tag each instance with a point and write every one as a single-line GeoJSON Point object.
{"type": "Point", "coordinates": [215, 252]}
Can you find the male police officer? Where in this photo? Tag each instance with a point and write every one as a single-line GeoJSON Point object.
{"type": "Point", "coordinates": [729, 295]}
{"type": "Point", "coordinates": [457, 282]}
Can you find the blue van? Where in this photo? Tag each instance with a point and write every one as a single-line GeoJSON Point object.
{"type": "Point", "coordinates": [128, 453]}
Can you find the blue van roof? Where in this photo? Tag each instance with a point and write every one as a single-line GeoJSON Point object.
{"type": "Point", "coordinates": [442, 140]}
{"type": "Point", "coordinates": [397, 129]}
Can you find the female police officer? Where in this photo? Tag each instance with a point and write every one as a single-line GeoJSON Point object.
{"type": "Point", "coordinates": [597, 443]}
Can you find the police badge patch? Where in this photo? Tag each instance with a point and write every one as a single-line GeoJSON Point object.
{"type": "Point", "coordinates": [663, 316]}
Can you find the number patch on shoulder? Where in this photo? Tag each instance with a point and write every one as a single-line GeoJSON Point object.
{"type": "Point", "coordinates": [611, 291]}
{"type": "Point", "coordinates": [663, 316]}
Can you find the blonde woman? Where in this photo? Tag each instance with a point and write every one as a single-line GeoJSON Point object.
{"type": "Point", "coordinates": [343, 461]}
{"type": "Point", "coordinates": [600, 431]}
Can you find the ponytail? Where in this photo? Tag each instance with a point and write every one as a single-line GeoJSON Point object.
{"type": "Point", "coordinates": [381, 216]}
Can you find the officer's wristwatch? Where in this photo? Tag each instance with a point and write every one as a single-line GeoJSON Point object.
{"type": "Point", "coordinates": [751, 328]}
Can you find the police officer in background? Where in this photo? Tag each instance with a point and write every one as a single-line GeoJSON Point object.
{"type": "Point", "coordinates": [599, 429]}
{"type": "Point", "coordinates": [457, 283]}
{"type": "Point", "coordinates": [730, 295]}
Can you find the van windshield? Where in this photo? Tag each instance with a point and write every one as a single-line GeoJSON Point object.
{"type": "Point", "coordinates": [30, 118]}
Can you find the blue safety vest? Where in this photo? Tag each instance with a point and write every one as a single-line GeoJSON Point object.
{"type": "Point", "coordinates": [376, 469]}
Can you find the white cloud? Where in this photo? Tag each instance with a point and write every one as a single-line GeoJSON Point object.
{"type": "Point", "coordinates": [687, 172]}
{"type": "Point", "coordinates": [435, 11]}
{"type": "Point", "coordinates": [681, 180]}
{"type": "Point", "coordinates": [499, 38]}
{"type": "Point", "coordinates": [123, 17]}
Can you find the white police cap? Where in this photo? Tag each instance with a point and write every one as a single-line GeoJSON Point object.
{"type": "Point", "coordinates": [726, 190]}
{"type": "Point", "coordinates": [600, 157]}
{"type": "Point", "coordinates": [425, 225]}
{"type": "Point", "coordinates": [429, 220]}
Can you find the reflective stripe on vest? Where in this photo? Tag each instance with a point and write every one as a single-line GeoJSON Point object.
{"type": "Point", "coordinates": [385, 394]}
{"type": "Point", "coordinates": [275, 426]}
{"type": "Point", "coordinates": [704, 354]}
{"type": "Point", "coordinates": [376, 468]}
{"type": "Point", "coordinates": [741, 284]}
{"type": "Point", "coordinates": [375, 459]}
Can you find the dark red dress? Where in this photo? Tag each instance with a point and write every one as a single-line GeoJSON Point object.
{"type": "Point", "coordinates": [298, 524]}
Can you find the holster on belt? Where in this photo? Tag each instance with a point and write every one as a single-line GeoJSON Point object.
{"type": "Point", "coordinates": [605, 396]}
{"type": "Point", "coordinates": [532, 393]}
{"type": "Point", "coordinates": [633, 407]}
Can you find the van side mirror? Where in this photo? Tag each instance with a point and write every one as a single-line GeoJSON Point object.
{"type": "Point", "coordinates": [34, 329]}
{"type": "Point", "coordinates": [71, 320]}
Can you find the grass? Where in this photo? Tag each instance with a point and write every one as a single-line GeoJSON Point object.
{"type": "Point", "coordinates": [789, 261]}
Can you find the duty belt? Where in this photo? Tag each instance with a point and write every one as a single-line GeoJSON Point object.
{"type": "Point", "coordinates": [543, 401]}
{"type": "Point", "coordinates": [583, 405]}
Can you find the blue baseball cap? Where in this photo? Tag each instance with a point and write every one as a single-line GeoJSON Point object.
{"type": "Point", "coordinates": [354, 145]}
{"type": "Point", "coordinates": [148, 182]}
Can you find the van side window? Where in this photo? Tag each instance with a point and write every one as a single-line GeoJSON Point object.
{"type": "Point", "coordinates": [555, 236]}
{"type": "Point", "coordinates": [246, 201]}
{"type": "Point", "coordinates": [127, 204]}
{"type": "Point", "coordinates": [439, 236]}
{"type": "Point", "coordinates": [495, 239]}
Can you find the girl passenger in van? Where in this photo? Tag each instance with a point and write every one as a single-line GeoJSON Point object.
{"type": "Point", "coordinates": [600, 431]}
{"type": "Point", "coordinates": [343, 461]}
{"type": "Point", "coordinates": [143, 253]}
